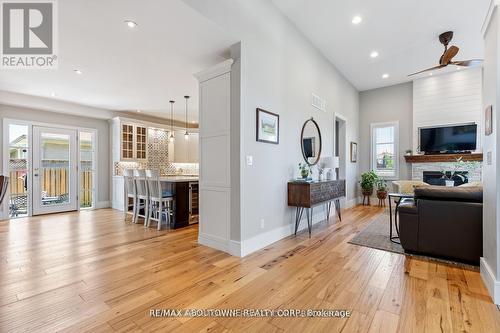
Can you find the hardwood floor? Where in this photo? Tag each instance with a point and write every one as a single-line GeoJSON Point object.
{"type": "Point", "coordinates": [95, 272]}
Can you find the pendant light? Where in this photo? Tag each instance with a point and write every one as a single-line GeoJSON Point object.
{"type": "Point", "coordinates": [186, 134]}
{"type": "Point", "coordinates": [172, 138]}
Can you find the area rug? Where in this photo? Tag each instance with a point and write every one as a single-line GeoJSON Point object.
{"type": "Point", "coordinates": [376, 235]}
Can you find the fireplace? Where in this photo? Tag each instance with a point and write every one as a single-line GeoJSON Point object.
{"type": "Point", "coordinates": [436, 178]}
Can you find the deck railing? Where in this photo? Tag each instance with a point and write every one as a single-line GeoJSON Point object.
{"type": "Point", "coordinates": [55, 183]}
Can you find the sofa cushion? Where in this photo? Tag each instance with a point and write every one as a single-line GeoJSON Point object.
{"type": "Point", "coordinates": [446, 193]}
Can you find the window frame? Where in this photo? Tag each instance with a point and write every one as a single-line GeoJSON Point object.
{"type": "Point", "coordinates": [373, 155]}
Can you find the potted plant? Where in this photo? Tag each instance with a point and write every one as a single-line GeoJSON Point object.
{"type": "Point", "coordinates": [381, 189]}
{"type": "Point", "coordinates": [408, 152]}
{"type": "Point", "coordinates": [367, 182]}
{"type": "Point", "coordinates": [305, 170]}
{"type": "Point", "coordinates": [458, 166]}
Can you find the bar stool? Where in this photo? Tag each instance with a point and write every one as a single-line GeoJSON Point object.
{"type": "Point", "coordinates": [160, 201]}
{"type": "Point", "coordinates": [142, 195]}
{"type": "Point", "coordinates": [130, 193]}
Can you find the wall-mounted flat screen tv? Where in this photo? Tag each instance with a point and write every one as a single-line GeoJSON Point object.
{"type": "Point", "coordinates": [448, 139]}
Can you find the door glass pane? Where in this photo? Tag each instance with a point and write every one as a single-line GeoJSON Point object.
{"type": "Point", "coordinates": [18, 170]}
{"type": "Point", "coordinates": [86, 169]}
{"type": "Point", "coordinates": [54, 168]}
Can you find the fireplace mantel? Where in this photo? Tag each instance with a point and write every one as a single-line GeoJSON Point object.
{"type": "Point", "coordinates": [443, 158]}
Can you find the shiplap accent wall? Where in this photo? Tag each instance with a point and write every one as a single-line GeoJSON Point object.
{"type": "Point", "coordinates": [451, 98]}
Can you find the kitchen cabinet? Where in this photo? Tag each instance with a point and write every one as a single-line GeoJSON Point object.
{"type": "Point", "coordinates": [193, 148]}
{"type": "Point", "coordinates": [184, 150]}
{"type": "Point", "coordinates": [130, 141]}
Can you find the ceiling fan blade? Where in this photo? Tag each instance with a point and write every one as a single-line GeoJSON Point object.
{"type": "Point", "coordinates": [468, 63]}
{"type": "Point", "coordinates": [428, 69]}
{"type": "Point", "coordinates": [448, 55]}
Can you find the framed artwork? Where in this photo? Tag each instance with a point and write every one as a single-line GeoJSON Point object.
{"type": "Point", "coordinates": [268, 127]}
{"type": "Point", "coordinates": [354, 152]}
{"type": "Point", "coordinates": [488, 120]}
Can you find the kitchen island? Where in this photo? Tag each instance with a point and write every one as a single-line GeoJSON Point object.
{"type": "Point", "coordinates": [183, 188]}
{"type": "Point", "coordinates": [185, 192]}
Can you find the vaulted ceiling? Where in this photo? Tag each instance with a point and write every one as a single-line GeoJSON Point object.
{"type": "Point", "coordinates": [403, 32]}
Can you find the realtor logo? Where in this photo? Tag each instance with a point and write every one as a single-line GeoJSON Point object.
{"type": "Point", "coordinates": [28, 34]}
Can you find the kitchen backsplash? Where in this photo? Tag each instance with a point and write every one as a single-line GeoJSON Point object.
{"type": "Point", "coordinates": [169, 169]}
{"type": "Point", "coordinates": [158, 158]}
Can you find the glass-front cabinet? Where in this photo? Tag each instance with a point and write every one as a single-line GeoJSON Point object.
{"type": "Point", "coordinates": [127, 141]}
{"type": "Point", "coordinates": [134, 140]}
{"type": "Point", "coordinates": [140, 142]}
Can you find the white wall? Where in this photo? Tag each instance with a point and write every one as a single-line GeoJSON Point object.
{"type": "Point", "coordinates": [103, 168]}
{"type": "Point", "coordinates": [386, 104]}
{"type": "Point", "coordinates": [490, 263]}
{"type": "Point", "coordinates": [279, 71]}
{"type": "Point", "coordinates": [451, 98]}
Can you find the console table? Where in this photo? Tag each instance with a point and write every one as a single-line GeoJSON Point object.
{"type": "Point", "coordinates": [306, 195]}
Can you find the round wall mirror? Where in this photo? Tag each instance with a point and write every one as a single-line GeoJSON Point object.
{"type": "Point", "coordinates": [310, 140]}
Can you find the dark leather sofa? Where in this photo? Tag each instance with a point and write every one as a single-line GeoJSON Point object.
{"type": "Point", "coordinates": [444, 222]}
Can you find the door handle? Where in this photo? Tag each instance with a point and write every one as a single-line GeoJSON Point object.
{"type": "Point", "coordinates": [36, 175]}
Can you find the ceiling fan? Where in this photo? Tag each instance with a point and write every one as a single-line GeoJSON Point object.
{"type": "Point", "coordinates": [448, 54]}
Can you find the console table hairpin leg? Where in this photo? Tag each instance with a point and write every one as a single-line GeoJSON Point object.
{"type": "Point", "coordinates": [309, 214]}
{"type": "Point", "coordinates": [336, 202]}
{"type": "Point", "coordinates": [298, 217]}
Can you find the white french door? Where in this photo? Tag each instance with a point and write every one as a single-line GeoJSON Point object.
{"type": "Point", "coordinates": [55, 185]}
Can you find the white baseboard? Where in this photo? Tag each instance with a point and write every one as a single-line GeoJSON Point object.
{"type": "Point", "coordinates": [353, 202]}
{"type": "Point", "coordinates": [490, 280]}
{"type": "Point", "coordinates": [256, 243]}
{"type": "Point", "coordinates": [213, 241]}
{"type": "Point", "coordinates": [102, 204]}
{"type": "Point", "coordinates": [117, 206]}
{"type": "Point", "coordinates": [231, 247]}
{"type": "Point", "coordinates": [248, 246]}
{"type": "Point", "coordinates": [235, 248]}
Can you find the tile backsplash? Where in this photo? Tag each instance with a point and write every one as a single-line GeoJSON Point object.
{"type": "Point", "coordinates": [157, 158]}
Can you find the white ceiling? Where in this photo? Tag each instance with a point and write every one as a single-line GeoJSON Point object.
{"type": "Point", "coordinates": [127, 69]}
{"type": "Point", "coordinates": [403, 32]}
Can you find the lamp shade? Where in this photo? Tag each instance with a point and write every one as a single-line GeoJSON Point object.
{"type": "Point", "coordinates": [331, 162]}
{"type": "Point", "coordinates": [336, 162]}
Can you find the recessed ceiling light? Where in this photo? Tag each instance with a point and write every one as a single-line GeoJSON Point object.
{"type": "Point", "coordinates": [131, 24]}
{"type": "Point", "coordinates": [139, 111]}
{"type": "Point", "coordinates": [53, 94]}
{"type": "Point", "coordinates": [357, 19]}
{"type": "Point", "coordinates": [385, 76]}
{"type": "Point", "coordinates": [430, 74]}
{"type": "Point", "coordinates": [458, 68]}
{"type": "Point", "coordinates": [77, 71]}
{"type": "Point", "coordinates": [374, 54]}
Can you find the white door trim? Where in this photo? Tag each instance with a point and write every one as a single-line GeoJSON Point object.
{"type": "Point", "coordinates": [5, 160]}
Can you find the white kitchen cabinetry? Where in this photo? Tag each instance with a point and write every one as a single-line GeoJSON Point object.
{"type": "Point", "coordinates": [193, 148]}
{"type": "Point", "coordinates": [130, 140]}
{"type": "Point", "coordinates": [185, 150]}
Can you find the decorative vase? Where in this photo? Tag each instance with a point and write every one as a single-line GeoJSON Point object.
{"type": "Point", "coordinates": [304, 173]}
{"type": "Point", "coordinates": [450, 183]}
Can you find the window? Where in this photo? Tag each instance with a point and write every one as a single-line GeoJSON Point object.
{"type": "Point", "coordinates": [384, 152]}
{"type": "Point", "coordinates": [87, 169]}
{"type": "Point", "coordinates": [18, 170]}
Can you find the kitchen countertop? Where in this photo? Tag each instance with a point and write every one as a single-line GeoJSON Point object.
{"type": "Point", "coordinates": [174, 178]}
{"type": "Point", "coordinates": [179, 179]}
